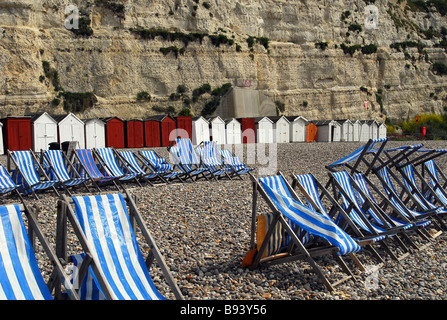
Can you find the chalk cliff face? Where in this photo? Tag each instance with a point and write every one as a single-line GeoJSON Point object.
{"type": "Point", "coordinates": [299, 56]}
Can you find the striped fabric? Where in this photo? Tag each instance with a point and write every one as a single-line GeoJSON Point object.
{"type": "Point", "coordinates": [6, 182]}
{"type": "Point", "coordinates": [86, 157]}
{"type": "Point", "coordinates": [356, 153]}
{"type": "Point", "coordinates": [344, 180]}
{"type": "Point", "coordinates": [57, 162]}
{"type": "Point", "coordinates": [90, 288]}
{"type": "Point", "coordinates": [211, 158]}
{"type": "Point", "coordinates": [307, 181]}
{"type": "Point", "coordinates": [238, 166]}
{"type": "Point", "coordinates": [359, 178]}
{"type": "Point", "coordinates": [434, 182]}
{"type": "Point", "coordinates": [408, 172]}
{"type": "Point", "coordinates": [20, 277]}
{"type": "Point", "coordinates": [276, 241]}
{"type": "Point", "coordinates": [135, 167]}
{"type": "Point", "coordinates": [28, 176]}
{"type": "Point", "coordinates": [308, 219]}
{"type": "Point", "coordinates": [159, 164]}
{"type": "Point", "coordinates": [186, 168]}
{"type": "Point", "coordinates": [105, 222]}
{"type": "Point", "coordinates": [186, 152]}
{"type": "Point", "coordinates": [116, 171]}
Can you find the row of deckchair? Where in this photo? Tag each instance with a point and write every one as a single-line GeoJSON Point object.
{"type": "Point", "coordinates": [352, 212]}
{"type": "Point", "coordinates": [106, 166]}
{"type": "Point", "coordinates": [110, 266]}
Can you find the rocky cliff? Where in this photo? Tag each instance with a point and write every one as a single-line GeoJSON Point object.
{"type": "Point", "coordinates": [132, 58]}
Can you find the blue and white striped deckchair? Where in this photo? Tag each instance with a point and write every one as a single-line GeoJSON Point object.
{"type": "Point", "coordinates": [212, 160]}
{"type": "Point", "coordinates": [54, 159]}
{"type": "Point", "coordinates": [90, 169]}
{"type": "Point", "coordinates": [291, 212]}
{"type": "Point", "coordinates": [133, 166]}
{"type": "Point", "coordinates": [187, 161]}
{"type": "Point", "coordinates": [412, 188]}
{"type": "Point", "coordinates": [160, 165]}
{"type": "Point", "coordinates": [434, 180]}
{"type": "Point", "coordinates": [309, 187]}
{"type": "Point", "coordinates": [26, 174]}
{"type": "Point", "coordinates": [111, 242]}
{"type": "Point", "coordinates": [235, 163]}
{"type": "Point", "coordinates": [110, 163]}
{"type": "Point", "coordinates": [360, 213]}
{"type": "Point", "coordinates": [358, 155]}
{"type": "Point", "coordinates": [89, 289]}
{"type": "Point", "coordinates": [20, 276]}
{"type": "Point", "coordinates": [6, 182]}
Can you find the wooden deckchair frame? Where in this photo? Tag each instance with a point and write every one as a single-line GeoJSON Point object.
{"type": "Point", "coordinates": [65, 213]}
{"type": "Point", "coordinates": [296, 249]}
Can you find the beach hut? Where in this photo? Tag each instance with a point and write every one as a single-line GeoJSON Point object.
{"type": "Point", "coordinates": [200, 130]}
{"type": "Point", "coordinates": [217, 130]}
{"type": "Point", "coordinates": [17, 133]}
{"type": "Point", "coordinates": [248, 128]}
{"type": "Point", "coordinates": [184, 126]}
{"type": "Point", "coordinates": [115, 135]}
{"type": "Point", "coordinates": [365, 131]}
{"type": "Point", "coordinates": [168, 129]}
{"type": "Point", "coordinates": [297, 128]}
{"type": "Point", "coordinates": [311, 132]}
{"type": "Point", "coordinates": [374, 129]}
{"type": "Point", "coordinates": [281, 129]}
{"type": "Point", "coordinates": [44, 131]}
{"type": "Point", "coordinates": [95, 133]}
{"type": "Point", "coordinates": [70, 128]}
{"type": "Point", "coordinates": [356, 130]}
{"type": "Point", "coordinates": [382, 130]}
{"type": "Point", "coordinates": [347, 130]}
{"type": "Point", "coordinates": [233, 131]}
{"type": "Point", "coordinates": [134, 133]}
{"type": "Point", "coordinates": [328, 130]}
{"type": "Point", "coordinates": [264, 130]}
{"type": "Point", "coordinates": [152, 138]}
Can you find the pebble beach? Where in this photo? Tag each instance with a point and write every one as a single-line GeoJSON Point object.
{"type": "Point", "coordinates": [203, 230]}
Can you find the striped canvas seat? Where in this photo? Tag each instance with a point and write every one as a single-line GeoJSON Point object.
{"type": "Point", "coordinates": [185, 167]}
{"type": "Point", "coordinates": [28, 177]}
{"type": "Point", "coordinates": [134, 167]}
{"type": "Point", "coordinates": [307, 218]}
{"type": "Point", "coordinates": [111, 163]}
{"type": "Point", "coordinates": [160, 165]}
{"type": "Point", "coordinates": [307, 181]}
{"type": "Point", "coordinates": [88, 163]}
{"type": "Point", "coordinates": [105, 222]}
{"type": "Point", "coordinates": [20, 277]}
{"type": "Point", "coordinates": [412, 187]}
{"type": "Point", "coordinates": [360, 179]}
{"type": "Point", "coordinates": [235, 163]}
{"type": "Point", "coordinates": [56, 162]}
{"type": "Point", "coordinates": [6, 182]}
{"type": "Point", "coordinates": [434, 181]}
{"type": "Point", "coordinates": [357, 154]}
{"type": "Point", "coordinates": [211, 158]}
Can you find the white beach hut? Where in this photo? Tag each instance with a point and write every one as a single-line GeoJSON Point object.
{"type": "Point", "coordinates": [374, 129]}
{"type": "Point", "coordinates": [217, 130]}
{"type": "Point", "coordinates": [281, 129]}
{"type": "Point", "coordinates": [365, 131]}
{"type": "Point", "coordinates": [200, 130]}
{"type": "Point", "coordinates": [347, 130]}
{"type": "Point", "coordinates": [382, 130]}
{"type": "Point", "coordinates": [44, 131]}
{"type": "Point", "coordinates": [298, 131]}
{"type": "Point", "coordinates": [328, 130]}
{"type": "Point", "coordinates": [356, 129]}
{"type": "Point", "coordinates": [233, 131]}
{"type": "Point", "coordinates": [71, 128]}
{"type": "Point", "coordinates": [95, 133]}
{"type": "Point", "coordinates": [264, 130]}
